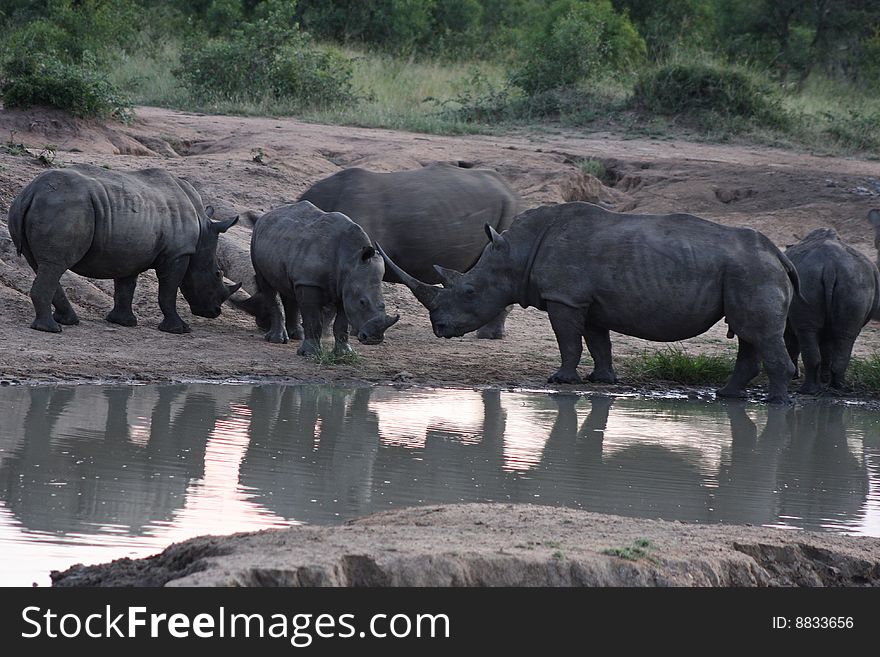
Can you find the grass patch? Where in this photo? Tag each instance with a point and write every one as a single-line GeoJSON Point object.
{"type": "Point", "coordinates": [592, 168]}
{"type": "Point", "coordinates": [864, 373]}
{"type": "Point", "coordinates": [333, 357]}
{"type": "Point", "coordinates": [676, 365]}
{"type": "Point", "coordinates": [640, 549]}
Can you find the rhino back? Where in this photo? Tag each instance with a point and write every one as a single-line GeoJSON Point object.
{"type": "Point", "coordinates": [839, 284]}
{"type": "Point", "coordinates": [129, 219]}
{"type": "Point", "coordinates": [423, 217]}
{"type": "Point", "coordinates": [660, 277]}
{"type": "Point", "coordinates": [300, 244]}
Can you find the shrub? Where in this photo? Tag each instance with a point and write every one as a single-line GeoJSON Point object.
{"type": "Point", "coordinates": [701, 89]}
{"type": "Point", "coordinates": [268, 57]}
{"type": "Point", "coordinates": [80, 89]}
{"type": "Point", "coordinates": [579, 42]}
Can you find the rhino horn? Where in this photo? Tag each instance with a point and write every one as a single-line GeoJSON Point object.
{"type": "Point", "coordinates": [222, 226]}
{"type": "Point", "coordinates": [390, 321]}
{"type": "Point", "coordinates": [232, 289]}
{"type": "Point", "coordinates": [448, 276]}
{"type": "Point", "coordinates": [426, 294]}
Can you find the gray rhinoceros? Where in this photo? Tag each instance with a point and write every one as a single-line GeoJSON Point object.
{"type": "Point", "coordinates": [314, 259]}
{"type": "Point", "coordinates": [841, 290]}
{"type": "Point", "coordinates": [656, 277]}
{"type": "Point", "coordinates": [101, 223]}
{"type": "Point", "coordinates": [874, 219]}
{"type": "Point", "coordinates": [424, 216]}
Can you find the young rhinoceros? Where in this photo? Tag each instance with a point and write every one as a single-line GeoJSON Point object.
{"type": "Point", "coordinates": [116, 224]}
{"type": "Point", "coordinates": [841, 289]}
{"type": "Point", "coordinates": [314, 259]}
{"type": "Point", "coordinates": [656, 277]}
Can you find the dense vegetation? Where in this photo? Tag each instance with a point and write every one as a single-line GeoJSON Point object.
{"type": "Point", "coordinates": [803, 71]}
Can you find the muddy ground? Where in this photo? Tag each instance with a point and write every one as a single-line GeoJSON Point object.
{"type": "Point", "coordinates": [242, 164]}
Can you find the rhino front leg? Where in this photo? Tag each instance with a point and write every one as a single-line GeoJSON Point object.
{"type": "Point", "coordinates": [494, 330]}
{"type": "Point", "coordinates": [309, 299]}
{"type": "Point", "coordinates": [568, 325]}
{"type": "Point", "coordinates": [123, 294]}
{"type": "Point", "coordinates": [340, 333]}
{"type": "Point", "coordinates": [170, 275]}
{"type": "Point", "coordinates": [747, 367]}
{"type": "Point", "coordinates": [599, 345]}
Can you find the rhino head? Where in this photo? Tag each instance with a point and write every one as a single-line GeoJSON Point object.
{"type": "Point", "coordinates": [363, 300]}
{"type": "Point", "coordinates": [202, 285]}
{"type": "Point", "coordinates": [470, 300]}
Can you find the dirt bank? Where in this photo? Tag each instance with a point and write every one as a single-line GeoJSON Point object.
{"type": "Point", "coordinates": [500, 545]}
{"type": "Point", "coordinates": [244, 164]}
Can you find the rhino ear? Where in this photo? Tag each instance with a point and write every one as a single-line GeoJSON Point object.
{"type": "Point", "coordinates": [222, 226]}
{"type": "Point", "coordinates": [447, 276]}
{"type": "Point", "coordinates": [494, 236]}
{"type": "Point", "coordinates": [874, 218]}
{"type": "Point", "coordinates": [209, 211]}
{"type": "Point", "coordinates": [367, 253]}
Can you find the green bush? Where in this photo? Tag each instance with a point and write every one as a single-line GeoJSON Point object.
{"type": "Point", "coordinates": [81, 89]}
{"type": "Point", "coordinates": [268, 57]}
{"type": "Point", "coordinates": [700, 90]}
{"type": "Point", "coordinates": [579, 42]}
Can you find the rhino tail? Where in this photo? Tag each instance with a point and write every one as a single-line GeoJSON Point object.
{"type": "Point", "coordinates": [789, 269]}
{"type": "Point", "coordinates": [15, 221]}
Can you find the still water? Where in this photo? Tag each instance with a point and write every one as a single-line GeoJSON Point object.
{"type": "Point", "coordinates": [93, 473]}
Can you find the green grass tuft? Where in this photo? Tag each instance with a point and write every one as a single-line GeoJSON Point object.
{"type": "Point", "coordinates": [640, 549]}
{"type": "Point", "coordinates": [864, 373]}
{"type": "Point", "coordinates": [332, 357]}
{"type": "Point", "coordinates": [676, 365]}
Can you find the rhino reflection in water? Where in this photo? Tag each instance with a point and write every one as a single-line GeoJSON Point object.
{"type": "Point", "coordinates": [84, 464]}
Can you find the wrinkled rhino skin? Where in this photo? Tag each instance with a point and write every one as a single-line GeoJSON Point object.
{"type": "Point", "coordinates": [314, 259]}
{"type": "Point", "coordinates": [841, 290]}
{"type": "Point", "coordinates": [656, 277]}
{"type": "Point", "coordinates": [423, 216]}
{"type": "Point", "coordinates": [100, 223]}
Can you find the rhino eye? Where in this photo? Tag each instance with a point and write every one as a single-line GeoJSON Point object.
{"type": "Point", "coordinates": [363, 302]}
{"type": "Point", "coordinates": [470, 292]}
{"type": "Point", "coordinates": [218, 275]}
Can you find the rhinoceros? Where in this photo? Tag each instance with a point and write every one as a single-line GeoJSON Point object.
{"type": "Point", "coordinates": [874, 218]}
{"type": "Point", "coordinates": [423, 216]}
{"type": "Point", "coordinates": [656, 277]}
{"type": "Point", "coordinates": [841, 289]}
{"type": "Point", "coordinates": [314, 259]}
{"type": "Point", "coordinates": [101, 223]}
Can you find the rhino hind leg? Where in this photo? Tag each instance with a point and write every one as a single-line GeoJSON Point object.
{"type": "Point", "coordinates": [840, 357]}
{"type": "Point", "coordinates": [747, 367]}
{"type": "Point", "coordinates": [494, 330]}
{"type": "Point", "coordinates": [291, 317]}
{"type": "Point", "coordinates": [64, 312]}
{"type": "Point", "coordinates": [123, 294]}
{"type": "Point", "coordinates": [793, 348]}
{"type": "Point", "coordinates": [599, 345]}
{"type": "Point", "coordinates": [812, 355]}
{"type": "Point", "coordinates": [568, 325]}
{"type": "Point", "coordinates": [44, 291]}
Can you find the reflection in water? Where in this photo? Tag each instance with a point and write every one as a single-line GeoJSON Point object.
{"type": "Point", "coordinates": [91, 473]}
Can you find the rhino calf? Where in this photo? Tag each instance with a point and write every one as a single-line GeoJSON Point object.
{"type": "Point", "coordinates": [100, 223]}
{"type": "Point", "coordinates": [656, 277]}
{"type": "Point", "coordinates": [841, 290]}
{"type": "Point", "coordinates": [313, 259]}
{"type": "Point", "coordinates": [424, 216]}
